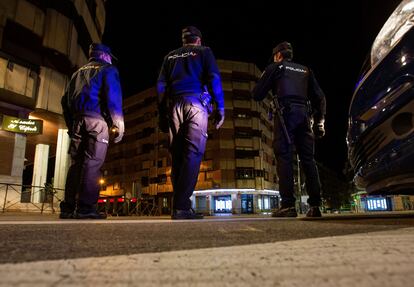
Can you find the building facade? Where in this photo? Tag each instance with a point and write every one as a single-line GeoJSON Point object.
{"type": "Point", "coordinates": [41, 44]}
{"type": "Point", "coordinates": [238, 172]}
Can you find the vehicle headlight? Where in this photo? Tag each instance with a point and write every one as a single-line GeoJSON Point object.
{"type": "Point", "coordinates": [400, 21]}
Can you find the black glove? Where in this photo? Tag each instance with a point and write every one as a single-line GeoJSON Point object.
{"type": "Point", "coordinates": [319, 128]}
{"type": "Point", "coordinates": [69, 124]}
{"type": "Point", "coordinates": [218, 119]}
{"type": "Point", "coordinates": [118, 129]}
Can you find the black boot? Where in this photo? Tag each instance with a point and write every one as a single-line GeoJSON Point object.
{"type": "Point", "coordinates": [67, 211]}
{"type": "Point", "coordinates": [186, 214]}
{"type": "Point", "coordinates": [314, 212]}
{"type": "Point", "coordinates": [89, 212]}
{"type": "Point", "coordinates": [285, 212]}
{"type": "Point", "coordinates": [90, 215]}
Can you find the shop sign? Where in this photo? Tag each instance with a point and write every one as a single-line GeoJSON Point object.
{"type": "Point", "coordinates": [24, 126]}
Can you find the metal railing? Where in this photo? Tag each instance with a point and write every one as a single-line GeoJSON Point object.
{"type": "Point", "coordinates": [49, 201]}
{"type": "Point", "coordinates": [23, 195]}
{"type": "Point", "coordinates": [144, 207]}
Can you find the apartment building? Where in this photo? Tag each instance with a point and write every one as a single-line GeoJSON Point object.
{"type": "Point", "coordinates": [238, 173]}
{"type": "Point", "coordinates": [41, 44]}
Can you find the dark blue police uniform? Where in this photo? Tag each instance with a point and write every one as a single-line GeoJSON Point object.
{"type": "Point", "coordinates": [295, 86]}
{"type": "Point", "coordinates": [185, 74]}
{"type": "Point", "coordinates": [91, 105]}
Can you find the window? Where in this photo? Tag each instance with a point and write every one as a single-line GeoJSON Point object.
{"type": "Point", "coordinates": [116, 170]}
{"type": "Point", "coordinates": [201, 203]}
{"type": "Point", "coordinates": [247, 203]}
{"type": "Point", "coordinates": [242, 134]}
{"type": "Point", "coordinates": [266, 202]}
{"type": "Point", "coordinates": [138, 135]}
{"type": "Point", "coordinates": [144, 181]}
{"type": "Point", "coordinates": [30, 16]}
{"type": "Point", "coordinates": [149, 115]}
{"type": "Point", "coordinates": [148, 131]}
{"type": "Point", "coordinates": [223, 204]}
{"type": "Point", "coordinates": [162, 178]}
{"type": "Point", "coordinates": [150, 100]}
{"type": "Point", "coordinates": [241, 94]}
{"type": "Point", "coordinates": [163, 144]}
{"type": "Point", "coordinates": [209, 175]}
{"type": "Point", "coordinates": [146, 148]}
{"type": "Point", "coordinates": [245, 132]}
{"type": "Point", "coordinates": [245, 173]}
{"type": "Point", "coordinates": [240, 153]}
{"type": "Point", "coordinates": [259, 173]}
{"type": "Point", "coordinates": [274, 201]}
{"type": "Point", "coordinates": [242, 113]}
{"type": "Point", "coordinates": [58, 32]}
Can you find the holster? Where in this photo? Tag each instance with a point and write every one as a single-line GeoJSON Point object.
{"type": "Point", "coordinates": [206, 101]}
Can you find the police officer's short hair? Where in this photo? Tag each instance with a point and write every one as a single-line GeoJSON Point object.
{"type": "Point", "coordinates": [190, 34]}
{"type": "Point", "coordinates": [285, 48]}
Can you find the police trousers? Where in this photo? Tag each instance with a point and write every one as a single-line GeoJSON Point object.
{"type": "Point", "coordinates": [188, 138]}
{"type": "Point", "coordinates": [297, 121]}
{"type": "Point", "coordinates": [88, 146]}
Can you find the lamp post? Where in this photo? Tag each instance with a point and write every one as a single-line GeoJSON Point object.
{"type": "Point", "coordinates": [101, 182]}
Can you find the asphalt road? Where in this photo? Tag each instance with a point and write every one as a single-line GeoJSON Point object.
{"type": "Point", "coordinates": [47, 238]}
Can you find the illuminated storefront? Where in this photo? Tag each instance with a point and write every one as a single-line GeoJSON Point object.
{"type": "Point", "coordinates": [222, 204]}
{"type": "Point", "coordinates": [235, 201]}
{"type": "Point", "coordinates": [377, 204]}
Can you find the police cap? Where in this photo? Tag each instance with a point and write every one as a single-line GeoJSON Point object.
{"type": "Point", "coordinates": [100, 48]}
{"type": "Point", "coordinates": [190, 31]}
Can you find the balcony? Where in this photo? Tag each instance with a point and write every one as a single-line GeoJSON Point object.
{"type": "Point", "coordinates": [18, 84]}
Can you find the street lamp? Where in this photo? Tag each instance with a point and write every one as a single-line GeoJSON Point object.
{"type": "Point", "coordinates": [101, 183]}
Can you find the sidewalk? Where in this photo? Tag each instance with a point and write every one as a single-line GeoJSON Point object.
{"type": "Point", "coordinates": [369, 259]}
{"type": "Point", "coordinates": [34, 216]}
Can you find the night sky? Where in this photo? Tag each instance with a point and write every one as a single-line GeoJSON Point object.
{"type": "Point", "coordinates": [332, 39]}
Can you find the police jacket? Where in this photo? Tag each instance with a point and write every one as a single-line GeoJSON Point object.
{"type": "Point", "coordinates": [188, 70]}
{"type": "Point", "coordinates": [291, 83]}
{"type": "Point", "coordinates": [94, 90]}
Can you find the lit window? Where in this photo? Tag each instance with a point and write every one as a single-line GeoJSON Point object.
{"type": "Point", "coordinates": [228, 204]}
{"type": "Point", "coordinates": [266, 202]}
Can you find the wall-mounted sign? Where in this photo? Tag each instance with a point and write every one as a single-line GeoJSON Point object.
{"type": "Point", "coordinates": [24, 126]}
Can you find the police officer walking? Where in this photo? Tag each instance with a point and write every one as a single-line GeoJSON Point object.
{"type": "Point", "coordinates": [91, 105]}
{"type": "Point", "coordinates": [293, 87]}
{"type": "Point", "coordinates": [188, 82]}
